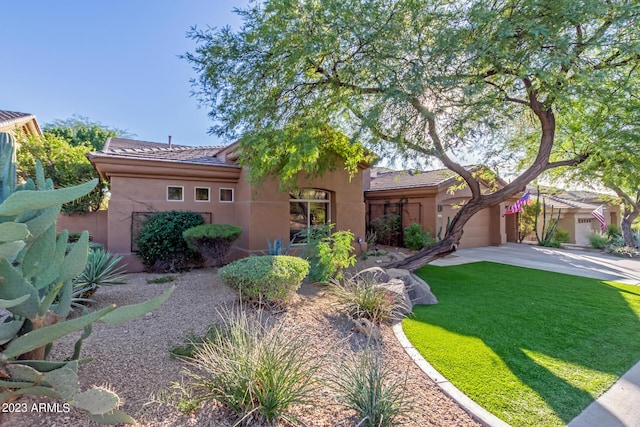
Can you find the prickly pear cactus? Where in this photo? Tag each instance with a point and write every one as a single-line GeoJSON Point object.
{"type": "Point", "coordinates": [36, 275]}
{"type": "Point", "coordinates": [7, 165]}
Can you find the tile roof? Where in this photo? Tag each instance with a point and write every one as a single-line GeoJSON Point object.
{"type": "Point", "coordinates": [124, 143]}
{"type": "Point", "coordinates": [133, 149]}
{"type": "Point", "coordinates": [563, 203]}
{"type": "Point", "coordinates": [407, 179]}
{"type": "Point", "coordinates": [8, 118]}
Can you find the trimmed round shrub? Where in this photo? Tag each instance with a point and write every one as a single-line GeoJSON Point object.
{"type": "Point", "coordinates": [270, 278]}
{"type": "Point", "coordinates": [212, 241]}
{"type": "Point", "coordinates": [160, 243]}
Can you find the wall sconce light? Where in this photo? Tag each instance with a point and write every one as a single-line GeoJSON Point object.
{"type": "Point", "coordinates": [439, 208]}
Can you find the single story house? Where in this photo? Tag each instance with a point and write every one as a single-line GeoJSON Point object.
{"type": "Point", "coordinates": [147, 177]}
{"type": "Point", "coordinates": [576, 214]}
{"type": "Point", "coordinates": [12, 121]}
{"type": "Point", "coordinates": [431, 198]}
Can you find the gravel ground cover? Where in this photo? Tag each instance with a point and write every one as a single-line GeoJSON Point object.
{"type": "Point", "coordinates": [133, 358]}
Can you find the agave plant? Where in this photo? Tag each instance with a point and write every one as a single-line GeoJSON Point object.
{"type": "Point", "coordinates": [102, 269]}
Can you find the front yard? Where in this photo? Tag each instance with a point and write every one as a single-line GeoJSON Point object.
{"type": "Point", "coordinates": [133, 357]}
{"type": "Point", "coordinates": [532, 347]}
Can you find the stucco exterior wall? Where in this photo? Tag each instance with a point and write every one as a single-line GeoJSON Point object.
{"type": "Point", "coordinates": [132, 194]}
{"type": "Point", "coordinates": [264, 210]}
{"type": "Point", "coordinates": [96, 223]}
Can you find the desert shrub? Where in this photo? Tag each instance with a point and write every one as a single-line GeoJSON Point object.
{"type": "Point", "coordinates": [387, 228]}
{"type": "Point", "coordinates": [277, 247]}
{"type": "Point", "coordinates": [361, 297]}
{"type": "Point", "coordinates": [102, 269]}
{"type": "Point", "coordinates": [561, 236]}
{"type": "Point", "coordinates": [253, 370]}
{"type": "Point", "coordinates": [416, 239]}
{"type": "Point", "coordinates": [161, 279]}
{"type": "Point", "coordinates": [212, 241]}
{"type": "Point", "coordinates": [550, 243]}
{"type": "Point", "coordinates": [598, 241]}
{"type": "Point", "coordinates": [270, 279]}
{"type": "Point", "coordinates": [193, 341]}
{"type": "Point", "coordinates": [364, 385]}
{"type": "Point", "coordinates": [160, 243]}
{"type": "Point", "coordinates": [328, 254]}
{"type": "Point", "coordinates": [613, 231]}
{"type": "Point", "coordinates": [622, 251]}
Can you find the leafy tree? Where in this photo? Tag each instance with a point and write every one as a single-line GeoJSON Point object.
{"type": "Point", "coordinates": [609, 125]}
{"type": "Point", "coordinates": [64, 163]}
{"type": "Point", "coordinates": [413, 78]}
{"type": "Point", "coordinates": [62, 150]}
{"type": "Point", "coordinates": [79, 130]}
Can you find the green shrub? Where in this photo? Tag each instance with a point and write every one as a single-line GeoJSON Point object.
{"type": "Point", "coordinates": [254, 370]}
{"type": "Point", "coordinates": [416, 239]}
{"type": "Point", "coordinates": [270, 279]}
{"type": "Point", "coordinates": [598, 241]}
{"type": "Point", "coordinates": [387, 228]}
{"type": "Point", "coordinates": [561, 236]}
{"type": "Point", "coordinates": [212, 241]}
{"type": "Point", "coordinates": [613, 231]}
{"type": "Point", "coordinates": [192, 342]}
{"type": "Point", "coordinates": [160, 243]}
{"type": "Point", "coordinates": [361, 297]}
{"type": "Point", "coordinates": [160, 280]}
{"type": "Point", "coordinates": [328, 254]}
{"type": "Point", "coordinates": [102, 269]}
{"type": "Point", "coordinates": [366, 387]}
{"type": "Point", "coordinates": [550, 243]}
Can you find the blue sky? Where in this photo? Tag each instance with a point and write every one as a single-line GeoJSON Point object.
{"type": "Point", "coordinates": [115, 62]}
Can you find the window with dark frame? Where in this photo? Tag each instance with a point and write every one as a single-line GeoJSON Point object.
{"type": "Point", "coordinates": [175, 193]}
{"type": "Point", "coordinates": [202, 194]}
{"type": "Point", "coordinates": [308, 208]}
{"type": "Point", "coordinates": [226, 195]}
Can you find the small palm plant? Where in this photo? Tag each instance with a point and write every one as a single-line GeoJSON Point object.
{"type": "Point", "coordinates": [102, 269]}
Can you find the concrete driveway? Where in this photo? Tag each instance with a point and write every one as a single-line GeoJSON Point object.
{"type": "Point", "coordinates": [568, 261]}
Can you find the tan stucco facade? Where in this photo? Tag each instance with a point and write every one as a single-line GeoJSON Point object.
{"type": "Point", "coordinates": [262, 212]}
{"type": "Point", "coordinates": [438, 204]}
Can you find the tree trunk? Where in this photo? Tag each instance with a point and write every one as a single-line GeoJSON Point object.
{"type": "Point", "coordinates": [448, 244]}
{"type": "Point", "coordinates": [627, 232]}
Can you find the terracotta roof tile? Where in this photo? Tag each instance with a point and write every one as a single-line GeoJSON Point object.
{"type": "Point", "coordinates": [129, 148]}
{"type": "Point", "coordinates": [407, 179]}
{"type": "Point", "coordinates": [8, 118]}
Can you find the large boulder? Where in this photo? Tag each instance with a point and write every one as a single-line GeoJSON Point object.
{"type": "Point", "coordinates": [402, 283]}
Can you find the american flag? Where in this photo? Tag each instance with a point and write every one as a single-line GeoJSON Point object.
{"type": "Point", "coordinates": [518, 206]}
{"type": "Point", "coordinates": [598, 213]}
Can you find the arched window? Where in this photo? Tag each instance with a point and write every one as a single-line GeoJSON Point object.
{"type": "Point", "coordinates": [308, 207]}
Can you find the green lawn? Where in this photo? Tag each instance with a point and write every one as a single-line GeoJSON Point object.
{"type": "Point", "coordinates": [534, 348]}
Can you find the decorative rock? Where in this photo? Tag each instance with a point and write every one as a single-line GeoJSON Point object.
{"type": "Point", "coordinates": [377, 274]}
{"type": "Point", "coordinates": [396, 256]}
{"type": "Point", "coordinates": [402, 283]}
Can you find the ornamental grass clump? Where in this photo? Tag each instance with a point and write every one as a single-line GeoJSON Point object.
{"type": "Point", "coordinates": [266, 279]}
{"type": "Point", "coordinates": [256, 371]}
{"type": "Point", "coordinates": [362, 297]}
{"type": "Point", "coordinates": [364, 385]}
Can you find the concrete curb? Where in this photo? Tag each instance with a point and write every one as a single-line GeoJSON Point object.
{"type": "Point", "coordinates": [472, 408]}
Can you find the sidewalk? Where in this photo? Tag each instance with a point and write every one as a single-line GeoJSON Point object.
{"type": "Point", "coordinates": [620, 405]}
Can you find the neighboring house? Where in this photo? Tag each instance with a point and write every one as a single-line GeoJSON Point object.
{"type": "Point", "coordinates": [12, 121]}
{"type": "Point", "coordinates": [431, 198]}
{"type": "Point", "coordinates": [147, 177]}
{"type": "Point", "coordinates": [575, 214]}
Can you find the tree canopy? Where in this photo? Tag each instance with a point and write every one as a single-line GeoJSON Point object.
{"type": "Point", "coordinates": [62, 149]}
{"type": "Point", "coordinates": [414, 78]}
